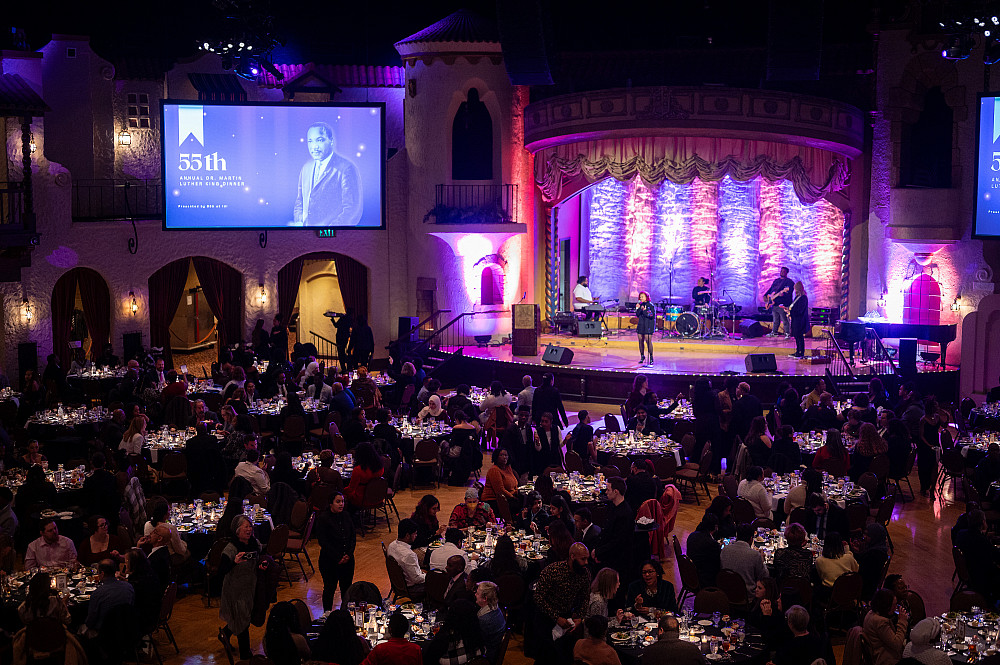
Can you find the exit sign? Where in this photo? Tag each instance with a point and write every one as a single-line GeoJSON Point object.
{"type": "Point", "coordinates": [326, 233]}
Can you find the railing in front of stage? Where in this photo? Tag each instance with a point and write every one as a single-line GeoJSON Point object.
{"type": "Point", "coordinates": [876, 355]}
{"type": "Point", "coordinates": [839, 365]}
{"type": "Point", "coordinates": [325, 349]}
{"type": "Point", "coordinates": [455, 334]}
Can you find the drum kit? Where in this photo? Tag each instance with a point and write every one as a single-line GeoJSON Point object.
{"type": "Point", "coordinates": [702, 321]}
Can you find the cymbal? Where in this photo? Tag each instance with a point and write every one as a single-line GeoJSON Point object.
{"type": "Point", "coordinates": [671, 299]}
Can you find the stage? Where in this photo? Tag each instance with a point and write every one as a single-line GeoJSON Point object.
{"type": "Point", "coordinates": [604, 368]}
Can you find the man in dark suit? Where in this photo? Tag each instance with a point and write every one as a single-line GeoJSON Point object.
{"type": "Point", "coordinates": [457, 588]}
{"type": "Point", "coordinates": [614, 548]}
{"type": "Point", "coordinates": [329, 186]}
{"type": "Point", "coordinates": [518, 438]}
{"type": "Point", "coordinates": [826, 516]}
{"type": "Point", "coordinates": [670, 648]}
{"type": "Point", "coordinates": [642, 423]}
{"type": "Point", "coordinates": [159, 555]}
{"type": "Point", "coordinates": [586, 532]}
{"type": "Point", "coordinates": [100, 490]}
{"type": "Point", "coordinates": [745, 409]}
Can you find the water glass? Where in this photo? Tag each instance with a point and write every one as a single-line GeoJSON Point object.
{"type": "Point", "coordinates": [715, 619]}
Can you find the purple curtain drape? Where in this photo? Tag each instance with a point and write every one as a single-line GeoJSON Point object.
{"type": "Point", "coordinates": [166, 286]}
{"type": "Point", "coordinates": [353, 278]}
{"type": "Point", "coordinates": [288, 287]}
{"type": "Point", "coordinates": [223, 289]}
{"type": "Point", "coordinates": [96, 309]}
{"type": "Point", "coordinates": [63, 299]}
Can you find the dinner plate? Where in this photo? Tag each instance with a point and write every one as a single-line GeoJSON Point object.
{"type": "Point", "coordinates": [705, 622]}
{"type": "Point", "coordinates": [85, 596]}
{"type": "Point", "coordinates": [713, 656]}
{"type": "Point", "coordinates": [620, 637]}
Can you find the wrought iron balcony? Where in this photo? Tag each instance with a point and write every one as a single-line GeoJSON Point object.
{"type": "Point", "coordinates": [474, 204]}
{"type": "Point", "coordinates": [109, 199]}
{"type": "Point", "coordinates": [11, 206]}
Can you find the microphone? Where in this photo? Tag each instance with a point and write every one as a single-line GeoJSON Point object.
{"type": "Point", "coordinates": [525, 295]}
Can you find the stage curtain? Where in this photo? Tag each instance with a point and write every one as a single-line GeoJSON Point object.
{"type": "Point", "coordinates": [813, 172]}
{"type": "Point", "coordinates": [353, 278]}
{"type": "Point", "coordinates": [223, 289]}
{"type": "Point", "coordinates": [166, 286]}
{"type": "Point", "coordinates": [288, 287]}
{"type": "Point", "coordinates": [63, 300]}
{"type": "Point", "coordinates": [96, 309]}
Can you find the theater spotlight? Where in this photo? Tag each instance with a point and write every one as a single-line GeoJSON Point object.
{"type": "Point", "coordinates": [991, 55]}
{"type": "Point", "coordinates": [958, 46]}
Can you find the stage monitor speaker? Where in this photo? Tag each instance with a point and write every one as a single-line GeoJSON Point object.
{"type": "Point", "coordinates": [750, 328]}
{"type": "Point", "coordinates": [589, 329]}
{"type": "Point", "coordinates": [908, 353]}
{"type": "Point", "coordinates": [131, 346]}
{"type": "Point", "coordinates": [405, 325]}
{"type": "Point", "coordinates": [557, 355]}
{"type": "Point", "coordinates": [761, 362]}
{"type": "Point", "coordinates": [27, 358]}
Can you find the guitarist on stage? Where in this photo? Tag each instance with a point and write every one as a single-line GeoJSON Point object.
{"type": "Point", "coordinates": [778, 298]}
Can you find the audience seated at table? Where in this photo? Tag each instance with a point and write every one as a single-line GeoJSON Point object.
{"type": "Point", "coordinates": [254, 475]}
{"type": "Point", "coordinates": [603, 589]}
{"type": "Point", "coordinates": [593, 648]}
{"type": "Point", "coordinates": [396, 650]}
{"type": "Point", "coordinates": [785, 453]}
{"type": "Point", "coordinates": [339, 642]}
{"type": "Point", "coordinates": [794, 560]}
{"type": "Point", "coordinates": [704, 550]}
{"type": "Point", "coordinates": [581, 441]}
{"type": "Point", "coordinates": [822, 415]}
{"type": "Point", "coordinates": [457, 588]}
{"type": "Point", "coordinates": [367, 466]}
{"type": "Point", "coordinates": [497, 397]}
{"type": "Point", "coordinates": [871, 553]}
{"type": "Point", "coordinates": [206, 469]}
{"type": "Point", "coordinates": [355, 428]}
{"type": "Point", "coordinates": [464, 453]}
{"type": "Point", "coordinates": [35, 492]}
{"type": "Point", "coordinates": [501, 479]}
{"type": "Point", "coordinates": [42, 601]}
{"type": "Point", "coordinates": [401, 550]}
{"type": "Point", "coordinates": [825, 516]}
{"type": "Point", "coordinates": [460, 638]}
{"type": "Point", "coordinates": [49, 549]}
{"type": "Point", "coordinates": [752, 489]}
{"type": "Point", "coordinates": [765, 612]}
{"type": "Point", "coordinates": [505, 559]}
{"type": "Point", "coordinates": [156, 546]}
{"type": "Point", "coordinates": [99, 544]}
{"type": "Point", "coordinates": [560, 539]}
{"type": "Point", "coordinates": [868, 446]}
{"type": "Point", "coordinates": [982, 557]}
{"type": "Point", "coordinates": [758, 442]}
{"type": "Point", "coordinates": [425, 518]}
{"type": "Point", "coordinates": [175, 544]}
{"type": "Point", "coordinates": [284, 472]}
{"type": "Point", "coordinates": [428, 389]}
{"type": "Point", "coordinates": [31, 456]}
{"type": "Point", "coordinates": [324, 473]}
{"type": "Point", "coordinates": [741, 558]}
{"type": "Point", "coordinates": [284, 637]}
{"type": "Point", "coordinates": [804, 646]}
{"type": "Point", "coordinates": [835, 560]}
{"type": "Point", "coordinates": [472, 512]}
{"type": "Point", "coordinates": [670, 648]}
{"type": "Point", "coordinates": [921, 646]}
{"type": "Point", "coordinates": [584, 530]}
{"type": "Point", "coordinates": [452, 546]}
{"type": "Point", "coordinates": [8, 519]}
{"type": "Point", "coordinates": [433, 412]}
{"type": "Point", "coordinates": [988, 470]}
{"type": "Point", "coordinates": [642, 423]}
{"type": "Point", "coordinates": [885, 629]}
{"type": "Point", "coordinates": [547, 449]}
{"type": "Point", "coordinates": [111, 592]}
{"type": "Point", "coordinates": [651, 590]}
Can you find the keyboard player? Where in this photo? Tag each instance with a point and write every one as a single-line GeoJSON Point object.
{"type": "Point", "coordinates": [582, 298]}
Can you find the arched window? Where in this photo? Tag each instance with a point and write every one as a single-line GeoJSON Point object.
{"type": "Point", "coordinates": [472, 141]}
{"type": "Point", "coordinates": [491, 286]}
{"type": "Point", "coordinates": [922, 301]}
{"type": "Point", "coordinates": [925, 151]}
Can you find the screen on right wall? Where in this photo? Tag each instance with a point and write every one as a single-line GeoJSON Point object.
{"type": "Point", "coordinates": [986, 210]}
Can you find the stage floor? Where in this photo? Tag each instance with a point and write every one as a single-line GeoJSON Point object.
{"type": "Point", "coordinates": [673, 355]}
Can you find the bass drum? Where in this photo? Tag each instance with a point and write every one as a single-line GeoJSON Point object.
{"type": "Point", "coordinates": [688, 324]}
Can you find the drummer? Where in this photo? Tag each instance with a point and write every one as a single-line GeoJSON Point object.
{"type": "Point", "coordinates": [701, 294]}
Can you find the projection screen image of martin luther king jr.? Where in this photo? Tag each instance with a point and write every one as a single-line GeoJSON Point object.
{"type": "Point", "coordinates": [329, 185]}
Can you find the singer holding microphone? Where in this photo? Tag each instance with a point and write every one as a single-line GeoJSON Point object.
{"type": "Point", "coordinates": [646, 315]}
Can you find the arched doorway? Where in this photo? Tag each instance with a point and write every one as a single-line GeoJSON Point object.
{"type": "Point", "coordinates": [315, 283]}
{"type": "Point", "coordinates": [922, 301]}
{"type": "Point", "coordinates": [81, 312]}
{"type": "Point", "coordinates": [195, 303]}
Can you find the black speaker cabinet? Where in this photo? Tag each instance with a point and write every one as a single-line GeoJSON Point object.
{"type": "Point", "coordinates": [405, 325]}
{"type": "Point", "coordinates": [908, 352]}
{"type": "Point", "coordinates": [761, 362]}
{"type": "Point", "coordinates": [589, 328]}
{"type": "Point", "coordinates": [750, 328]}
{"type": "Point", "coordinates": [131, 346]}
{"type": "Point", "coordinates": [557, 355]}
{"type": "Point", "coordinates": [525, 320]}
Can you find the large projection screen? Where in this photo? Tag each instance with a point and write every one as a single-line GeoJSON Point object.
{"type": "Point", "coordinates": [986, 209]}
{"type": "Point", "coordinates": [257, 165]}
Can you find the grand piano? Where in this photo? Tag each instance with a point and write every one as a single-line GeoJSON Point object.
{"type": "Point", "coordinates": [853, 332]}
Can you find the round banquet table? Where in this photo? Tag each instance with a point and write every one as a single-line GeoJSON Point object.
{"type": "Point", "coordinates": [751, 649]}
{"type": "Point", "coordinates": [13, 592]}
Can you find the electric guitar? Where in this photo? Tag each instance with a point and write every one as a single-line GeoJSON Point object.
{"type": "Point", "coordinates": [769, 298]}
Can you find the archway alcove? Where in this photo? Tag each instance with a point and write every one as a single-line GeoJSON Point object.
{"type": "Point", "coordinates": [81, 312]}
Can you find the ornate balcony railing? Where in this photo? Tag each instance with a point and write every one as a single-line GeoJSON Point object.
{"type": "Point", "coordinates": [474, 204]}
{"type": "Point", "coordinates": [108, 199]}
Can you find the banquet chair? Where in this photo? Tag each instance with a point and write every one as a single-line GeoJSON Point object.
{"type": "Point", "coordinates": [665, 466]}
{"type": "Point", "coordinates": [322, 433]}
{"type": "Point", "coordinates": [397, 581]}
{"type": "Point", "coordinates": [276, 546]}
{"type": "Point", "coordinates": [511, 588]}
{"type": "Point", "coordinates": [835, 467]}
{"type": "Point", "coordinates": [299, 516]}
{"type": "Point", "coordinates": [296, 546]}
{"type": "Point", "coordinates": [801, 586]}
{"type": "Point", "coordinates": [743, 511]}
{"type": "Point", "coordinates": [880, 467]}
{"type": "Point", "coordinates": [678, 552]}
{"type": "Point", "coordinates": [166, 611]}
{"type": "Point", "coordinates": [623, 462]}
{"type": "Point", "coordinates": [857, 516]}
{"type": "Point", "coordinates": [961, 569]}
{"type": "Point", "coordinates": [799, 515]}
{"type": "Point", "coordinates": [918, 610]}
{"type": "Point", "coordinates": [884, 515]}
{"type": "Point", "coordinates": [845, 598]}
{"type": "Point", "coordinates": [338, 443]}
{"type": "Point", "coordinates": [911, 460]}
{"type": "Point", "coordinates": [375, 499]}
{"type": "Point", "coordinates": [427, 455]}
{"type": "Point", "coordinates": [305, 615]}
{"type": "Point", "coordinates": [611, 423]}
{"type": "Point", "coordinates": [293, 435]}
{"type": "Point", "coordinates": [763, 523]}
{"type": "Point", "coordinates": [573, 462]}
{"type": "Point", "coordinates": [173, 475]}
{"type": "Point", "coordinates": [503, 510]}
{"type": "Point", "coordinates": [435, 585]}
{"type": "Point", "coordinates": [952, 468]}
{"type": "Point", "coordinates": [731, 583]}
{"type": "Point", "coordinates": [730, 486]}
{"type": "Point", "coordinates": [319, 495]}
{"type": "Point", "coordinates": [693, 475]}
{"type": "Point", "coordinates": [45, 635]}
{"type": "Point", "coordinates": [690, 586]}
{"type": "Point", "coordinates": [711, 600]}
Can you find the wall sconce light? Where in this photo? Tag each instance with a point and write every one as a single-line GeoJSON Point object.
{"type": "Point", "coordinates": [881, 300]}
{"type": "Point", "coordinates": [134, 305]}
{"type": "Point", "coordinates": [26, 307]}
{"type": "Point", "coordinates": [124, 138]}
{"type": "Point", "coordinates": [956, 306]}
{"type": "Point", "coordinates": [262, 296]}
{"type": "Point", "coordinates": [31, 143]}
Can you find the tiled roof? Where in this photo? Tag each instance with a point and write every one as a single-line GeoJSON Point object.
{"type": "Point", "coordinates": [344, 76]}
{"type": "Point", "coordinates": [462, 26]}
{"type": "Point", "coordinates": [18, 98]}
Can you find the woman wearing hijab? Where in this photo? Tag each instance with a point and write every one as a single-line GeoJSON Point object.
{"type": "Point", "coordinates": [433, 411]}
{"type": "Point", "coordinates": [920, 647]}
{"type": "Point", "coordinates": [239, 581]}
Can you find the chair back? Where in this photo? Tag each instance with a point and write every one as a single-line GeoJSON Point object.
{"type": "Point", "coordinates": [801, 585]}
{"type": "Point", "coordinates": [503, 510]}
{"type": "Point", "coordinates": [124, 536]}
{"type": "Point", "coordinates": [688, 442]}
{"type": "Point", "coordinates": [376, 492]}
{"type": "Point", "coordinates": [711, 600]}
{"type": "Point", "coordinates": [45, 635]}
{"type": "Point", "coordinates": [305, 615]}
{"type": "Point", "coordinates": [846, 592]}
{"type": "Point", "coordinates": [678, 552]}
{"type": "Point", "coordinates": [338, 443]}
{"type": "Point", "coordinates": [511, 588]}
{"type": "Point", "coordinates": [257, 499]}
{"type": "Point", "coordinates": [885, 508]}
{"type": "Point", "coordinates": [174, 465]}
{"type": "Point", "coordinates": [665, 466]}
{"type": "Point", "coordinates": [835, 467]}
{"type": "Point", "coordinates": [743, 511]}
{"type": "Point", "coordinates": [869, 481]}
{"type": "Point", "coordinates": [427, 450]}
{"type": "Point", "coordinates": [763, 523]}
{"type": "Point", "coordinates": [689, 573]}
{"type": "Point", "coordinates": [880, 467]}
{"type": "Point", "coordinates": [365, 592]}
{"type": "Point", "coordinates": [705, 464]}
{"type": "Point", "coordinates": [294, 428]}
{"type": "Point", "coordinates": [396, 578]}
{"type": "Point", "coordinates": [435, 585]}
{"type": "Point", "coordinates": [918, 611]}
{"type": "Point", "coordinates": [799, 515]}
{"type": "Point", "coordinates": [964, 601]}
{"type": "Point", "coordinates": [278, 541]}
{"type": "Point", "coordinates": [209, 497]}
{"type": "Point", "coordinates": [611, 423]}
{"type": "Point", "coordinates": [300, 513]}
{"type": "Point", "coordinates": [961, 566]}
{"type": "Point", "coordinates": [167, 604]}
{"type": "Point", "coordinates": [320, 494]}
{"type": "Point", "coordinates": [857, 516]}
{"type": "Point", "coordinates": [502, 651]}
{"type": "Point", "coordinates": [573, 462]}
{"type": "Point", "coordinates": [947, 442]}
{"type": "Point", "coordinates": [732, 584]}
{"type": "Point", "coordinates": [731, 485]}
